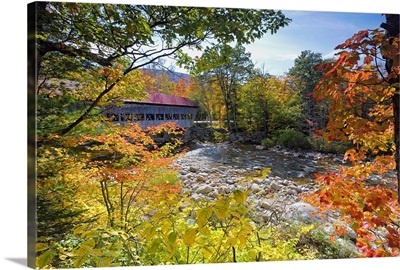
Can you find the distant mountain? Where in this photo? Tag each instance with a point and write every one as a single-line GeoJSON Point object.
{"type": "Point", "coordinates": [173, 76]}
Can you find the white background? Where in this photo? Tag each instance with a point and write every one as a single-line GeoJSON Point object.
{"type": "Point", "coordinates": [13, 191]}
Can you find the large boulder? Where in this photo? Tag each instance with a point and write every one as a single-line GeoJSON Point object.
{"type": "Point", "coordinates": [303, 212]}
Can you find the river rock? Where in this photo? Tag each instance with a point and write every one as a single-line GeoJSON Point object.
{"type": "Point", "coordinates": [304, 212]}
{"type": "Point", "coordinates": [330, 228]}
{"type": "Point", "coordinates": [230, 181]}
{"type": "Point", "coordinates": [255, 187]}
{"type": "Point", "coordinates": [201, 178]}
{"type": "Point", "coordinates": [193, 169]}
{"type": "Point", "coordinates": [211, 170]}
{"type": "Point", "coordinates": [214, 194]}
{"type": "Point", "coordinates": [285, 182]}
{"type": "Point", "coordinates": [191, 221]}
{"type": "Point", "coordinates": [195, 197]}
{"type": "Point", "coordinates": [275, 186]}
{"type": "Point", "coordinates": [259, 181]}
{"type": "Point", "coordinates": [183, 172]}
{"type": "Point", "coordinates": [265, 204]}
{"type": "Point", "coordinates": [348, 245]}
{"type": "Point", "coordinates": [224, 190]}
{"type": "Point", "coordinates": [204, 189]}
{"type": "Point", "coordinates": [183, 177]}
{"type": "Point", "coordinates": [184, 190]}
{"type": "Point", "coordinates": [267, 182]}
{"type": "Point", "coordinates": [338, 160]}
{"type": "Point", "coordinates": [308, 169]}
{"type": "Point", "coordinates": [268, 216]}
{"type": "Point", "coordinates": [298, 189]}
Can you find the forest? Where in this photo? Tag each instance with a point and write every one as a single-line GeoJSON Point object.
{"type": "Point", "coordinates": [104, 194]}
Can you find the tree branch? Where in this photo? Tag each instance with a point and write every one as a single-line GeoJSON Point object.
{"type": "Point", "coordinates": [46, 47]}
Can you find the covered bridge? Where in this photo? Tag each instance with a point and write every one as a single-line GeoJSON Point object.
{"type": "Point", "coordinates": [156, 109]}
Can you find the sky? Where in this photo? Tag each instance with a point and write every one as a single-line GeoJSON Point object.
{"type": "Point", "coordinates": [319, 32]}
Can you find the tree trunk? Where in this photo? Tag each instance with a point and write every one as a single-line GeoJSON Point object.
{"type": "Point", "coordinates": [392, 27]}
{"type": "Point", "coordinates": [265, 116]}
{"type": "Point", "coordinates": [234, 92]}
{"type": "Point", "coordinates": [234, 117]}
{"type": "Point", "coordinates": [209, 113]}
{"type": "Point", "coordinates": [396, 108]}
{"type": "Point", "coordinates": [227, 108]}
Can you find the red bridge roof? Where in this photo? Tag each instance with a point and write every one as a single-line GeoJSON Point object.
{"type": "Point", "coordinates": [164, 99]}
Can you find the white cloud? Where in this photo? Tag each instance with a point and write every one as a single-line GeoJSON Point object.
{"type": "Point", "coordinates": [331, 54]}
{"type": "Point", "coordinates": [288, 56]}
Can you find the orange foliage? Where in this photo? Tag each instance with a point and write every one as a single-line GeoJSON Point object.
{"type": "Point", "coordinates": [125, 161]}
{"type": "Point", "coordinates": [361, 112]}
{"type": "Point", "coordinates": [182, 88]}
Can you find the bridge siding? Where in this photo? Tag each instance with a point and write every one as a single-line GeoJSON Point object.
{"type": "Point", "coordinates": [153, 109]}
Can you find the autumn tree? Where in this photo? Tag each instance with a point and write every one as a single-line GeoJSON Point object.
{"type": "Point", "coordinates": [229, 68]}
{"type": "Point", "coordinates": [162, 81]}
{"type": "Point", "coordinates": [268, 103]}
{"type": "Point", "coordinates": [254, 103]}
{"type": "Point", "coordinates": [149, 81]}
{"type": "Point", "coordinates": [182, 87]}
{"type": "Point", "coordinates": [206, 93]}
{"type": "Point", "coordinates": [304, 78]}
{"type": "Point", "coordinates": [363, 92]}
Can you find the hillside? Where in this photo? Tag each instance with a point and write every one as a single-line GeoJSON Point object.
{"type": "Point", "coordinates": [173, 76]}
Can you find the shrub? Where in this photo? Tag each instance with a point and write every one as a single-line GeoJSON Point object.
{"type": "Point", "coordinates": [166, 176]}
{"type": "Point", "coordinates": [318, 242]}
{"type": "Point", "coordinates": [293, 139]}
{"type": "Point", "coordinates": [267, 142]}
{"type": "Point", "coordinates": [220, 136]}
{"type": "Point", "coordinates": [320, 144]}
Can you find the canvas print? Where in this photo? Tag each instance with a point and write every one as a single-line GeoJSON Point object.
{"type": "Point", "coordinates": [166, 135]}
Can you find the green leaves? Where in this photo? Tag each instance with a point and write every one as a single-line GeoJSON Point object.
{"type": "Point", "coordinates": [45, 258]}
{"type": "Point", "coordinates": [41, 247]}
{"type": "Point", "coordinates": [203, 215]}
{"type": "Point", "coordinates": [154, 245]}
{"type": "Point", "coordinates": [83, 252]}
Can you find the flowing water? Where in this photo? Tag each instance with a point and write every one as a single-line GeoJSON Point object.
{"type": "Point", "coordinates": [295, 166]}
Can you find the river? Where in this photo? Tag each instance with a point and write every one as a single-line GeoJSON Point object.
{"type": "Point", "coordinates": [292, 165]}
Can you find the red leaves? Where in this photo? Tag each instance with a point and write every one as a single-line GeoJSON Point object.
{"type": "Point", "coordinates": [361, 35]}
{"type": "Point", "coordinates": [354, 41]}
{"type": "Point", "coordinates": [359, 94]}
{"type": "Point", "coordinates": [368, 59]}
{"type": "Point", "coordinates": [393, 237]}
{"type": "Point", "coordinates": [370, 210]}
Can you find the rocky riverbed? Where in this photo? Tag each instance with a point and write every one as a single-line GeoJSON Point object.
{"type": "Point", "coordinates": [274, 178]}
{"type": "Point", "coordinates": [212, 169]}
